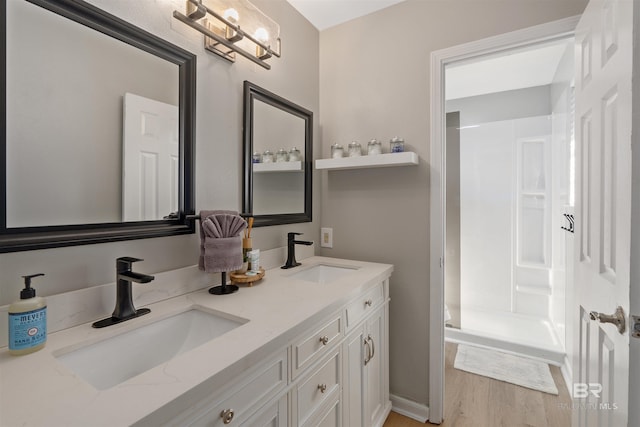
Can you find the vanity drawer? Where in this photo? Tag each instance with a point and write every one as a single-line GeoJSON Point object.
{"type": "Point", "coordinates": [251, 393]}
{"type": "Point", "coordinates": [316, 343]}
{"type": "Point", "coordinates": [319, 387]}
{"type": "Point", "coordinates": [328, 416]}
{"type": "Point", "coordinates": [363, 305]}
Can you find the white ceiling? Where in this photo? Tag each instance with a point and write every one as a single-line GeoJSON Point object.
{"type": "Point", "coordinates": [530, 67]}
{"type": "Point", "coordinates": [327, 13]}
{"type": "Point", "coordinates": [517, 69]}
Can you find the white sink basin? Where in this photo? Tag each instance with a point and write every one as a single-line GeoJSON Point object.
{"type": "Point", "coordinates": [115, 360]}
{"type": "Point", "coordinates": [322, 273]}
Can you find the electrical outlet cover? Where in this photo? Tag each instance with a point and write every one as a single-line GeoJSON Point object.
{"type": "Point", "coordinates": [326, 237]}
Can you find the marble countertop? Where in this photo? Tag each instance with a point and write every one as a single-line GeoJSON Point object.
{"type": "Point", "coordinates": [37, 390]}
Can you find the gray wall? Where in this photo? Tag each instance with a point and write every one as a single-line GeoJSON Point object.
{"type": "Point", "coordinates": [218, 149]}
{"type": "Point", "coordinates": [374, 82]}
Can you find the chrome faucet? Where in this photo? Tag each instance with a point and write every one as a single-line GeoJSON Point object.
{"type": "Point", "coordinates": [291, 249]}
{"type": "Point", "coordinates": [124, 298]}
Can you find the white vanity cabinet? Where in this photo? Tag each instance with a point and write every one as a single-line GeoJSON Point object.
{"type": "Point", "coordinates": [366, 361]}
{"type": "Point", "coordinates": [295, 359]}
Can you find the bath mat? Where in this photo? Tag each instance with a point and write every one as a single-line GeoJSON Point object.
{"type": "Point", "coordinates": [505, 367]}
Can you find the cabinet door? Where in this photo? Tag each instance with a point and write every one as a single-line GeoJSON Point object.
{"type": "Point", "coordinates": [353, 386]}
{"type": "Point", "coordinates": [273, 415]}
{"type": "Point", "coordinates": [374, 380]}
{"type": "Point", "coordinates": [365, 372]}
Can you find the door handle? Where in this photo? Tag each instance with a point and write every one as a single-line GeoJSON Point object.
{"type": "Point", "coordinates": [616, 318]}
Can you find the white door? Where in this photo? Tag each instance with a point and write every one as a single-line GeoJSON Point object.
{"type": "Point", "coordinates": [150, 159]}
{"type": "Point", "coordinates": [603, 211]}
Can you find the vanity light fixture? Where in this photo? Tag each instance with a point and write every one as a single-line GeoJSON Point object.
{"type": "Point", "coordinates": [233, 26]}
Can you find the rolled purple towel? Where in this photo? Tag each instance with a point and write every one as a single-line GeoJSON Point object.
{"type": "Point", "coordinates": [220, 241]}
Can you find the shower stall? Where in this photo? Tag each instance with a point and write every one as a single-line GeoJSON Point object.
{"type": "Point", "coordinates": [509, 168]}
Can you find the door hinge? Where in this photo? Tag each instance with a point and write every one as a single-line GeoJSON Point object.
{"type": "Point", "coordinates": [635, 326]}
{"type": "Point", "coordinates": [441, 262]}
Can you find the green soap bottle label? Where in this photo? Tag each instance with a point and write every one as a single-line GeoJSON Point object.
{"type": "Point", "coordinates": [27, 329]}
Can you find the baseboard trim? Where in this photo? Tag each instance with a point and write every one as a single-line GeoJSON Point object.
{"type": "Point", "coordinates": [565, 369]}
{"type": "Point", "coordinates": [385, 415]}
{"type": "Point", "coordinates": [409, 408]}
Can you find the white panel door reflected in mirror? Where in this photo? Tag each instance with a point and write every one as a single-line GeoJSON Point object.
{"type": "Point", "coordinates": [149, 158]}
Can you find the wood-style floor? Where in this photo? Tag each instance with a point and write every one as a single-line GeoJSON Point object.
{"type": "Point", "coordinates": [476, 401]}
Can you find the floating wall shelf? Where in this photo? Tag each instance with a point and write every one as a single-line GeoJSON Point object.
{"type": "Point", "coordinates": [407, 158]}
{"type": "Point", "coordinates": [278, 167]}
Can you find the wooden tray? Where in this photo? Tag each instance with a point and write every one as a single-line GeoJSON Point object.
{"type": "Point", "coordinates": [243, 278]}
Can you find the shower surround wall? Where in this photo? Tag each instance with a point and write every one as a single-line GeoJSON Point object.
{"type": "Point", "coordinates": [504, 219]}
{"type": "Point", "coordinates": [563, 171]}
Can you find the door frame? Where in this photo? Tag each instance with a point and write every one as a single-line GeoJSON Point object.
{"type": "Point", "coordinates": [439, 59]}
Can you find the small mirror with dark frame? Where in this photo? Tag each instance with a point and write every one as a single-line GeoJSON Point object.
{"type": "Point", "coordinates": [64, 181]}
{"type": "Point", "coordinates": [277, 158]}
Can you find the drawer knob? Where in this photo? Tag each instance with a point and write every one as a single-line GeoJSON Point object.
{"type": "Point", "coordinates": [368, 303]}
{"type": "Point", "coordinates": [324, 340]}
{"type": "Point", "coordinates": [322, 388]}
{"type": "Point", "coordinates": [227, 416]}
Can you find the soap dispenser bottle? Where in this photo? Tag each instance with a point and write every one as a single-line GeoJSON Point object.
{"type": "Point", "coordinates": [27, 321]}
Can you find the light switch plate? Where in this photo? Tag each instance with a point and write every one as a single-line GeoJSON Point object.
{"type": "Point", "coordinates": [326, 237]}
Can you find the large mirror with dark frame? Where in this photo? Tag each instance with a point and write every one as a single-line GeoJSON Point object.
{"type": "Point", "coordinates": [278, 153]}
{"type": "Point", "coordinates": [97, 131]}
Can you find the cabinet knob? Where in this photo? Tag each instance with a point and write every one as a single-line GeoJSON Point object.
{"type": "Point", "coordinates": [227, 416]}
{"type": "Point", "coordinates": [324, 340]}
{"type": "Point", "coordinates": [368, 303]}
{"type": "Point", "coordinates": [322, 388]}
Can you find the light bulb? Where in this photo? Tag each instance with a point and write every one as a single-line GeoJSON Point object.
{"type": "Point", "coordinates": [262, 35]}
{"type": "Point", "coordinates": [231, 15]}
